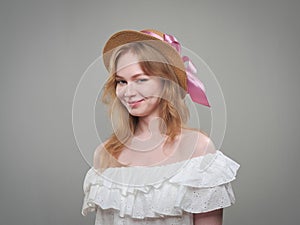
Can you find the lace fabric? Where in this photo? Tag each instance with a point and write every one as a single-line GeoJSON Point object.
{"type": "Point", "coordinates": [167, 194]}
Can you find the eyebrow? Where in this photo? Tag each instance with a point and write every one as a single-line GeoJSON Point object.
{"type": "Point", "coordinates": [134, 76]}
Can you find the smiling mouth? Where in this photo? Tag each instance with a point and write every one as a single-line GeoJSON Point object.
{"type": "Point", "coordinates": [134, 103]}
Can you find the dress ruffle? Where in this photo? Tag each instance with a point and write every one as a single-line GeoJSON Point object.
{"type": "Point", "coordinates": [200, 184]}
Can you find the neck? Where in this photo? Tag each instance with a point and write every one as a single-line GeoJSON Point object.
{"type": "Point", "coordinates": [147, 127]}
{"type": "Point", "coordinates": [148, 135]}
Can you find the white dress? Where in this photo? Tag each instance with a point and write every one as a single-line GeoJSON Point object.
{"type": "Point", "coordinates": [160, 195]}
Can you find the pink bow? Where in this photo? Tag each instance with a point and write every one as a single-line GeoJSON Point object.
{"type": "Point", "coordinates": [195, 87]}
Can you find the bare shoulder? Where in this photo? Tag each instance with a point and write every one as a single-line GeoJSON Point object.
{"type": "Point", "coordinates": [97, 155]}
{"type": "Point", "coordinates": [204, 143]}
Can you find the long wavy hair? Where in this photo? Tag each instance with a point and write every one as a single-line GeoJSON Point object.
{"type": "Point", "coordinates": [173, 109]}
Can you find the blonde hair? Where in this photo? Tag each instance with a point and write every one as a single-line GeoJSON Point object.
{"type": "Point", "coordinates": [173, 109]}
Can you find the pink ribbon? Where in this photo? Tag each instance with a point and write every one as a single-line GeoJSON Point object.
{"type": "Point", "coordinates": [195, 87]}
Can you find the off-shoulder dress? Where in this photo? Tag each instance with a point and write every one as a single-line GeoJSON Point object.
{"type": "Point", "coordinates": [160, 195]}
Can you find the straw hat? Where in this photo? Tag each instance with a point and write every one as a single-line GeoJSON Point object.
{"type": "Point", "coordinates": [128, 36]}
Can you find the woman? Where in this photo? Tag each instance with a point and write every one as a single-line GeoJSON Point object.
{"type": "Point", "coordinates": [154, 169]}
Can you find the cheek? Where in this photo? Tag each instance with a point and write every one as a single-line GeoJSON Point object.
{"type": "Point", "coordinates": [153, 88]}
{"type": "Point", "coordinates": [118, 92]}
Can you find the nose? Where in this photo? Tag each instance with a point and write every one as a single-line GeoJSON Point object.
{"type": "Point", "coordinates": [129, 90]}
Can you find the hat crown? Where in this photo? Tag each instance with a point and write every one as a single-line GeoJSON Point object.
{"type": "Point", "coordinates": [154, 31]}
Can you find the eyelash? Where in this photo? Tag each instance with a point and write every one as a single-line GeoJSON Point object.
{"type": "Point", "coordinates": [143, 79]}
{"type": "Point", "coordinates": [120, 81]}
{"type": "Point", "coordinates": [124, 81]}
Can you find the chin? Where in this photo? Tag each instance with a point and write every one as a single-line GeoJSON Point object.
{"type": "Point", "coordinates": [137, 114]}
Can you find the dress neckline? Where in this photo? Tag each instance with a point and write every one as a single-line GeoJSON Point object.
{"type": "Point", "coordinates": [186, 161]}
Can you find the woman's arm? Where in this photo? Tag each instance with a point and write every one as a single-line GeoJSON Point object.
{"type": "Point", "coordinates": [209, 218]}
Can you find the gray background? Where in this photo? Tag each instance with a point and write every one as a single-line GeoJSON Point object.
{"type": "Point", "coordinates": [252, 46]}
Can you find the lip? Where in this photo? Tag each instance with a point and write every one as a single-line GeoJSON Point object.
{"type": "Point", "coordinates": [135, 103]}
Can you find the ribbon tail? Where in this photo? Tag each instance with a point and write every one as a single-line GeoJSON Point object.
{"type": "Point", "coordinates": [196, 90]}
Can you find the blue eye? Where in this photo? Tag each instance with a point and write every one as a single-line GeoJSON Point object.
{"type": "Point", "coordinates": [142, 80]}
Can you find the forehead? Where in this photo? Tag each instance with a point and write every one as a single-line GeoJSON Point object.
{"type": "Point", "coordinates": [128, 65]}
{"type": "Point", "coordinates": [126, 60]}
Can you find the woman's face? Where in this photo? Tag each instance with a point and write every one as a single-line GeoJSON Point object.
{"type": "Point", "coordinates": [139, 92]}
